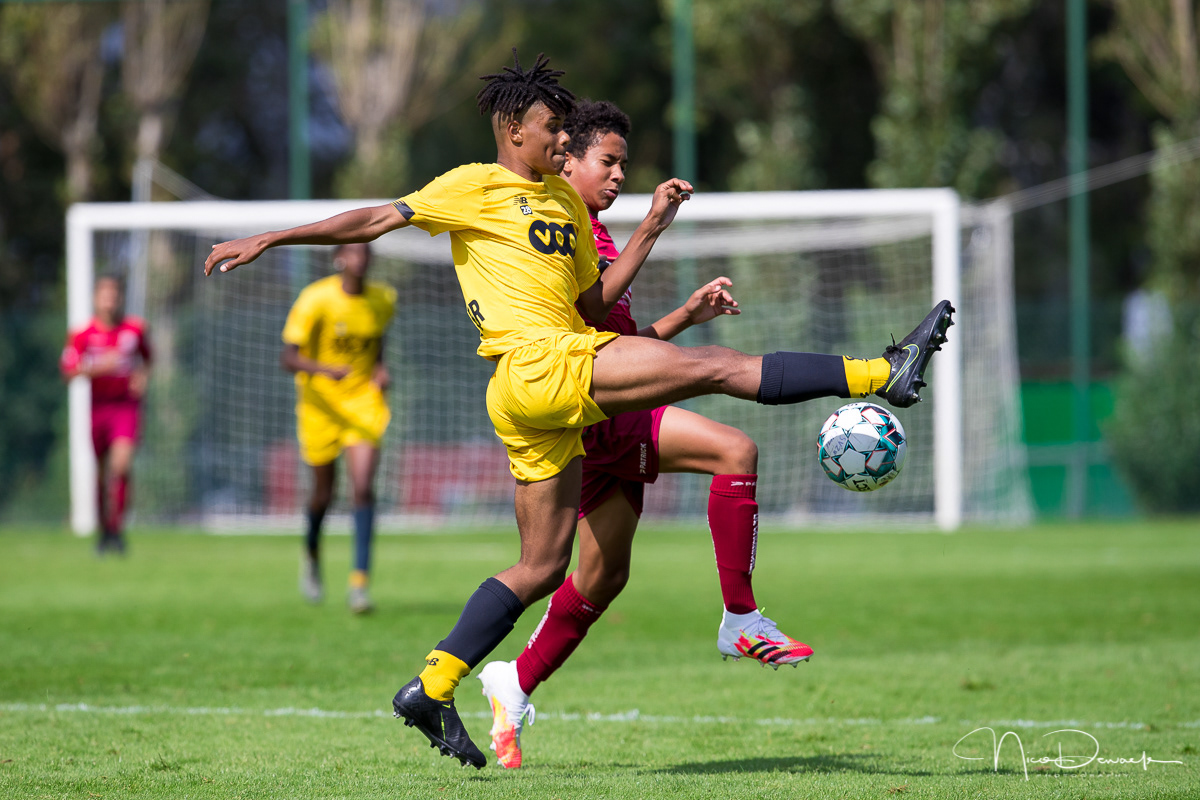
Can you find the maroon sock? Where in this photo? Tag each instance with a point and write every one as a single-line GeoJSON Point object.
{"type": "Point", "coordinates": [733, 522]}
{"type": "Point", "coordinates": [120, 493]}
{"type": "Point", "coordinates": [567, 620]}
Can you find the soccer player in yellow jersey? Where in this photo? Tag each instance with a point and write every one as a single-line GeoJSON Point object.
{"type": "Point", "coordinates": [524, 255]}
{"type": "Point", "coordinates": [333, 342]}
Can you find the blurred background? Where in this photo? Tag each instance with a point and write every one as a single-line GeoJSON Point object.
{"type": "Point", "coordinates": [177, 99]}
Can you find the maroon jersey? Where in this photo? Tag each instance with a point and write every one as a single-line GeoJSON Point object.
{"type": "Point", "coordinates": [125, 345]}
{"type": "Point", "coordinates": [619, 319]}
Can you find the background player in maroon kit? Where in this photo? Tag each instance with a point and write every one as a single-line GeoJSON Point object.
{"type": "Point", "coordinates": [113, 350]}
{"type": "Point", "coordinates": [628, 451]}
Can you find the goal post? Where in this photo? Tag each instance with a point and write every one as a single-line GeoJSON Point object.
{"type": "Point", "coordinates": [832, 271]}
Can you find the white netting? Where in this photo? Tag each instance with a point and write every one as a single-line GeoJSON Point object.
{"type": "Point", "coordinates": [219, 434]}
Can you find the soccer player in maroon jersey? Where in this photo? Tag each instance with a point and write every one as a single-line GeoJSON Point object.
{"type": "Point", "coordinates": [625, 453]}
{"type": "Point", "coordinates": [113, 350]}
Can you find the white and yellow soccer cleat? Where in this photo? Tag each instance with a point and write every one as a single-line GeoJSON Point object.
{"type": "Point", "coordinates": [511, 709]}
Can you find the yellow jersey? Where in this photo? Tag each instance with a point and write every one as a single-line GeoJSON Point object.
{"type": "Point", "coordinates": [523, 251]}
{"type": "Point", "coordinates": [339, 329]}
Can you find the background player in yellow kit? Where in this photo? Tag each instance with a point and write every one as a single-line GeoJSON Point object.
{"type": "Point", "coordinates": [333, 342]}
{"type": "Point", "coordinates": [523, 257]}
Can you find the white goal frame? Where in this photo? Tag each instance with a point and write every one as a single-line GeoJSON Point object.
{"type": "Point", "coordinates": [226, 218]}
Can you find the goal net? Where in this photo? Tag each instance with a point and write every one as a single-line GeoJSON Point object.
{"type": "Point", "coordinates": [837, 272]}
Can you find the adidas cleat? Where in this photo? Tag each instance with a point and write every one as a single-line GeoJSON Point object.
{"type": "Point", "coordinates": [754, 636]}
{"type": "Point", "coordinates": [910, 358]}
{"type": "Point", "coordinates": [511, 709]}
{"type": "Point", "coordinates": [438, 721]}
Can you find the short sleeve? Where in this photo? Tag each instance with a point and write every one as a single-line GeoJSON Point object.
{"type": "Point", "coordinates": [301, 320]}
{"type": "Point", "coordinates": [450, 202]}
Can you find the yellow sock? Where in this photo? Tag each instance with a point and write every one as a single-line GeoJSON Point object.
{"type": "Point", "coordinates": [442, 673]}
{"type": "Point", "coordinates": [358, 579]}
{"type": "Point", "coordinates": [864, 376]}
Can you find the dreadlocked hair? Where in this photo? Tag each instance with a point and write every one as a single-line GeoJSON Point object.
{"type": "Point", "coordinates": [590, 121]}
{"type": "Point", "coordinates": [514, 90]}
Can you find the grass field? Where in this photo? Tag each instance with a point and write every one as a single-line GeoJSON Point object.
{"type": "Point", "coordinates": [192, 669]}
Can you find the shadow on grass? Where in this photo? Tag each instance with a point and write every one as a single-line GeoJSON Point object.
{"type": "Point", "coordinates": [840, 762]}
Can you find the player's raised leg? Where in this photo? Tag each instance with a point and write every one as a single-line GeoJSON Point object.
{"type": "Point", "coordinates": [635, 372]}
{"type": "Point", "coordinates": [324, 479]}
{"type": "Point", "coordinates": [689, 442]}
{"type": "Point", "coordinates": [546, 514]}
{"type": "Point", "coordinates": [362, 461]}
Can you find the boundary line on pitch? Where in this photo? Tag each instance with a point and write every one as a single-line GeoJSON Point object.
{"type": "Point", "coordinates": [633, 715]}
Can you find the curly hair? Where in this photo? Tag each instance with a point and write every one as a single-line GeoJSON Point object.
{"type": "Point", "coordinates": [512, 91]}
{"type": "Point", "coordinates": [588, 123]}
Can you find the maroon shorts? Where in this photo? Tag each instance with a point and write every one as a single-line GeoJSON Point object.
{"type": "Point", "coordinates": [112, 421]}
{"type": "Point", "coordinates": [622, 453]}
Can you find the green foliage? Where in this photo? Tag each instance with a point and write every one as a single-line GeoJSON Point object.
{"type": "Point", "coordinates": [777, 152]}
{"type": "Point", "coordinates": [381, 173]}
{"type": "Point", "coordinates": [750, 73]}
{"type": "Point", "coordinates": [919, 638]}
{"type": "Point", "coordinates": [31, 395]}
{"type": "Point", "coordinates": [1173, 219]}
{"type": "Point", "coordinates": [1155, 428]}
{"type": "Point", "coordinates": [928, 57]}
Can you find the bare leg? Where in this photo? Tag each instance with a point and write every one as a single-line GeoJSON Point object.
{"type": "Point", "coordinates": [605, 550]}
{"type": "Point", "coordinates": [362, 461]}
{"type": "Point", "coordinates": [324, 480]}
{"type": "Point", "coordinates": [635, 372]}
{"type": "Point", "coordinates": [546, 517]}
{"type": "Point", "coordinates": [689, 442]}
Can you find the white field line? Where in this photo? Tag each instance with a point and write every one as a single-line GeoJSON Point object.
{"type": "Point", "coordinates": [621, 717]}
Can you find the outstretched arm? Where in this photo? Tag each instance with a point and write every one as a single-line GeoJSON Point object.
{"type": "Point", "coordinates": [598, 300]}
{"type": "Point", "coordinates": [359, 225]}
{"type": "Point", "coordinates": [710, 301]}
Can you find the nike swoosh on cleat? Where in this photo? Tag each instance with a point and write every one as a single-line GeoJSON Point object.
{"type": "Point", "coordinates": [912, 356]}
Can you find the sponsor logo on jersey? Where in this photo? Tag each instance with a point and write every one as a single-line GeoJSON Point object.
{"type": "Point", "coordinates": [550, 237]}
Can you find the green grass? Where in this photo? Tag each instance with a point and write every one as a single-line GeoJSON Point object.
{"type": "Point", "coordinates": [168, 674]}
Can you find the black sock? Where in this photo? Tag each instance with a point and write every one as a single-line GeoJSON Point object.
{"type": "Point", "coordinates": [796, 377]}
{"type": "Point", "coordinates": [312, 538]}
{"type": "Point", "coordinates": [364, 530]}
{"type": "Point", "coordinates": [485, 620]}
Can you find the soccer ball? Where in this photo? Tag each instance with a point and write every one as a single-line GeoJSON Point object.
{"type": "Point", "coordinates": [861, 447]}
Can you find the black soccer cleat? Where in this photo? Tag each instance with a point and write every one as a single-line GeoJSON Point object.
{"type": "Point", "coordinates": [438, 721]}
{"type": "Point", "coordinates": [910, 358]}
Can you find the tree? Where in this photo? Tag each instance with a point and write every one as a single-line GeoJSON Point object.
{"type": "Point", "coordinates": [1155, 42]}
{"type": "Point", "coordinates": [750, 68]}
{"type": "Point", "coordinates": [52, 54]}
{"type": "Point", "coordinates": [161, 40]}
{"type": "Point", "coordinates": [389, 58]}
{"type": "Point", "coordinates": [926, 55]}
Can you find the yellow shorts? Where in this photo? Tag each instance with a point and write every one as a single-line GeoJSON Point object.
{"type": "Point", "coordinates": [540, 401]}
{"type": "Point", "coordinates": [327, 425]}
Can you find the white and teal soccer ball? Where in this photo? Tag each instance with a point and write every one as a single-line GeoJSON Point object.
{"type": "Point", "coordinates": [861, 447]}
